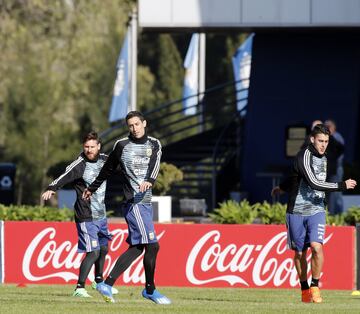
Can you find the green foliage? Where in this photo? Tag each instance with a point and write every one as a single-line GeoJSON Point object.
{"type": "Point", "coordinates": [146, 97]}
{"type": "Point", "coordinates": [271, 213]}
{"type": "Point", "coordinates": [335, 220]}
{"type": "Point", "coordinates": [352, 216]}
{"type": "Point", "coordinates": [170, 72]}
{"type": "Point", "coordinates": [57, 64]}
{"type": "Point", "coordinates": [232, 212]}
{"type": "Point", "coordinates": [35, 213]}
{"type": "Point", "coordinates": [168, 86]}
{"type": "Point", "coordinates": [168, 174]}
{"type": "Point", "coordinates": [57, 69]}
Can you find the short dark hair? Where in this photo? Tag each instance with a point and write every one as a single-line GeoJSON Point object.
{"type": "Point", "coordinates": [92, 135]}
{"type": "Point", "coordinates": [320, 129]}
{"type": "Point", "coordinates": [133, 114]}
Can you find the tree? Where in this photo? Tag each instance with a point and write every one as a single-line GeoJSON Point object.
{"type": "Point", "coordinates": [57, 66]}
{"type": "Point", "coordinates": [54, 61]}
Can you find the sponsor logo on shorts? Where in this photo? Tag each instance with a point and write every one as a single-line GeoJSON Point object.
{"type": "Point", "coordinates": [151, 235]}
{"type": "Point", "coordinates": [94, 243]}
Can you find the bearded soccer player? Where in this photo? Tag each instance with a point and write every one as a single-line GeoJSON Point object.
{"type": "Point", "coordinates": [138, 156]}
{"type": "Point", "coordinates": [90, 215]}
{"type": "Point", "coordinates": [305, 217]}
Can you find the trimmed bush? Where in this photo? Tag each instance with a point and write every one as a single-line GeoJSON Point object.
{"type": "Point", "coordinates": [168, 174]}
{"type": "Point", "coordinates": [35, 213]}
{"type": "Point", "coordinates": [272, 213]}
{"type": "Point", "coordinates": [352, 216]}
{"type": "Point", "coordinates": [335, 220]}
{"type": "Point", "coordinates": [232, 212]}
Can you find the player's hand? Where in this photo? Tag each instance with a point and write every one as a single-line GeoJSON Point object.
{"type": "Point", "coordinates": [276, 190]}
{"type": "Point", "coordinates": [350, 184]}
{"type": "Point", "coordinates": [47, 195]}
{"type": "Point", "coordinates": [86, 195]}
{"type": "Point", "coordinates": [145, 186]}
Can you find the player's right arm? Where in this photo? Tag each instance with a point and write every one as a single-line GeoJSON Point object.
{"type": "Point", "coordinates": [72, 172]}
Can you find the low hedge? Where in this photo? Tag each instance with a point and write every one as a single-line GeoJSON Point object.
{"type": "Point", "coordinates": [35, 213]}
{"type": "Point", "coordinates": [229, 212]}
{"type": "Point", "coordinates": [232, 212]}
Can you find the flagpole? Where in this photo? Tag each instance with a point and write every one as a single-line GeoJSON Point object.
{"type": "Point", "coordinates": [202, 58]}
{"type": "Point", "coordinates": [133, 58]}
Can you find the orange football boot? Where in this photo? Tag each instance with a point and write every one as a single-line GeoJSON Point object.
{"type": "Point", "coordinates": [315, 294]}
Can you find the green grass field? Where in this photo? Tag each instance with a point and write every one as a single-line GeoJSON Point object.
{"type": "Point", "coordinates": [57, 299]}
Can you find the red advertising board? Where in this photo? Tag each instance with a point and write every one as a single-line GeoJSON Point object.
{"type": "Point", "coordinates": [190, 255]}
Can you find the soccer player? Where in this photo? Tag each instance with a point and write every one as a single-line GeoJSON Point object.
{"type": "Point", "coordinates": [139, 158]}
{"type": "Point", "coordinates": [305, 217]}
{"type": "Point", "coordinates": [90, 216]}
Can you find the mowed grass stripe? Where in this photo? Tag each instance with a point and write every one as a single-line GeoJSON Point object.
{"type": "Point", "coordinates": [57, 299]}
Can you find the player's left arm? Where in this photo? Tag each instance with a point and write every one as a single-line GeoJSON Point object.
{"type": "Point", "coordinates": [154, 166]}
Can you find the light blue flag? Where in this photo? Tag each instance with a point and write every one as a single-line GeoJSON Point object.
{"type": "Point", "coordinates": [120, 100]}
{"type": "Point", "coordinates": [191, 80]}
{"type": "Point", "coordinates": [242, 68]}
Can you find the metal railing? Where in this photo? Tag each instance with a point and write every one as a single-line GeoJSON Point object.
{"type": "Point", "coordinates": [222, 156]}
{"type": "Point", "coordinates": [169, 124]}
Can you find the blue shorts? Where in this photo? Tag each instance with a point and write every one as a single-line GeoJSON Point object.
{"type": "Point", "coordinates": [92, 235]}
{"type": "Point", "coordinates": [302, 230]}
{"type": "Point", "coordinates": [139, 218]}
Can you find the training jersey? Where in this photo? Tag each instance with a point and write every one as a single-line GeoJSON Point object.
{"type": "Point", "coordinates": [307, 183]}
{"type": "Point", "coordinates": [80, 174]}
{"type": "Point", "coordinates": [139, 161]}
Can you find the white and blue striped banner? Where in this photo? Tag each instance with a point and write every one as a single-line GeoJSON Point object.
{"type": "Point", "coordinates": [191, 80]}
{"type": "Point", "coordinates": [120, 100]}
{"type": "Point", "coordinates": [242, 68]}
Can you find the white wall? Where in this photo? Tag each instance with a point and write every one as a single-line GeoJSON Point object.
{"type": "Point", "coordinates": [248, 13]}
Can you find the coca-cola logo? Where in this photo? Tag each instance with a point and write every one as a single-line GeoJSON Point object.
{"type": "Point", "coordinates": [45, 258]}
{"type": "Point", "coordinates": [230, 262]}
{"type": "Point", "coordinates": [212, 259]}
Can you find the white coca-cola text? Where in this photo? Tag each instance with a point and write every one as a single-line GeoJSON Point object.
{"type": "Point", "coordinates": [229, 262]}
{"type": "Point", "coordinates": [45, 258]}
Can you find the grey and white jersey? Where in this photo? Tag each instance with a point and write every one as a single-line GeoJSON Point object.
{"type": "Point", "coordinates": [80, 174]}
{"type": "Point", "coordinates": [139, 161]}
{"type": "Point", "coordinates": [307, 183]}
{"type": "Point", "coordinates": [135, 159]}
{"type": "Point", "coordinates": [97, 201]}
{"type": "Point", "coordinates": [309, 201]}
